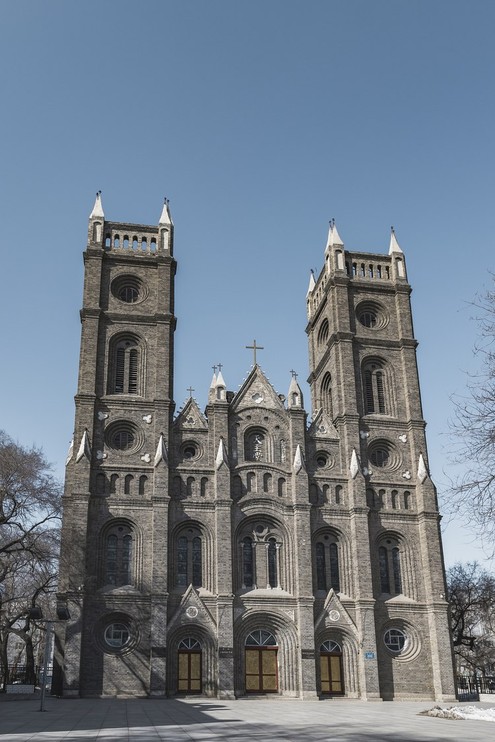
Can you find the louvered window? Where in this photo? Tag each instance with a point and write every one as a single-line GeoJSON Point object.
{"type": "Point", "coordinates": [125, 374]}
{"type": "Point", "coordinates": [375, 392]}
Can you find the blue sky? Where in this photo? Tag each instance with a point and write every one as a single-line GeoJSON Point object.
{"type": "Point", "coordinates": [261, 121]}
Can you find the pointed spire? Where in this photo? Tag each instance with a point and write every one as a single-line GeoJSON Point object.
{"type": "Point", "coordinates": [354, 465]}
{"type": "Point", "coordinates": [394, 245]}
{"type": "Point", "coordinates": [161, 452]}
{"type": "Point", "coordinates": [165, 217]}
{"type": "Point", "coordinates": [329, 238]}
{"type": "Point", "coordinates": [214, 379]}
{"type": "Point", "coordinates": [97, 208]}
{"type": "Point", "coordinates": [335, 236]}
{"type": "Point", "coordinates": [221, 457]}
{"type": "Point", "coordinates": [312, 283]}
{"type": "Point", "coordinates": [295, 399]}
{"type": "Point", "coordinates": [220, 380]}
{"type": "Point", "coordinates": [84, 448]}
{"type": "Point", "coordinates": [422, 470]}
{"type": "Point", "coordinates": [298, 460]}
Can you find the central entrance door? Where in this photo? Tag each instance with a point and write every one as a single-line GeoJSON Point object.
{"type": "Point", "coordinates": [189, 666]}
{"type": "Point", "coordinates": [261, 663]}
{"type": "Point", "coordinates": [332, 677]}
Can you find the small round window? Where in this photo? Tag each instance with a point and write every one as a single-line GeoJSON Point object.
{"type": "Point", "coordinates": [322, 459]}
{"type": "Point", "coordinates": [395, 640]}
{"type": "Point", "coordinates": [128, 289]}
{"type": "Point", "coordinates": [124, 436]}
{"type": "Point", "coordinates": [371, 315]}
{"type": "Point", "coordinates": [190, 451]}
{"type": "Point", "coordinates": [383, 455]}
{"type": "Point", "coordinates": [117, 635]}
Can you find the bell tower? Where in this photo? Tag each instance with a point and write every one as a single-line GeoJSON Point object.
{"type": "Point", "coordinates": [113, 567]}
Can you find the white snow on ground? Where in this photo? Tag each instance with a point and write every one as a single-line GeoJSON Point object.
{"type": "Point", "coordinates": [462, 712]}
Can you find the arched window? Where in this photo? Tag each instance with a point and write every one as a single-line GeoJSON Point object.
{"type": "Point", "coordinates": [118, 556]}
{"type": "Point", "coordinates": [267, 482]}
{"type": "Point", "coordinates": [323, 332]}
{"type": "Point", "coordinates": [390, 568]}
{"type": "Point", "coordinates": [326, 394]}
{"type": "Point", "coordinates": [327, 563]}
{"type": "Point", "coordinates": [204, 486]}
{"type": "Point", "coordinates": [189, 562]}
{"type": "Point", "coordinates": [259, 563]}
{"type": "Point", "coordinates": [282, 487]}
{"type": "Point", "coordinates": [247, 562]}
{"type": "Point", "coordinates": [128, 484]}
{"type": "Point", "coordinates": [114, 478]}
{"type": "Point", "coordinates": [251, 481]}
{"type": "Point", "coordinates": [338, 494]}
{"type": "Point", "coordinates": [375, 388]}
{"type": "Point", "coordinates": [255, 445]}
{"type": "Point", "coordinates": [142, 484]}
{"type": "Point", "coordinates": [124, 376]}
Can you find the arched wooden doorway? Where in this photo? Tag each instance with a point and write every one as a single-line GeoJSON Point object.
{"type": "Point", "coordinates": [331, 670]}
{"type": "Point", "coordinates": [189, 666]}
{"type": "Point", "coordinates": [261, 662]}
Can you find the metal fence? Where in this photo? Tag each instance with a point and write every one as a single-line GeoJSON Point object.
{"type": "Point", "coordinates": [20, 674]}
{"type": "Point", "coordinates": [469, 687]}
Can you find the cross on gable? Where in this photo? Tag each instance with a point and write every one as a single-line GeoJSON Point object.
{"type": "Point", "coordinates": [190, 390]}
{"type": "Point", "coordinates": [254, 348]}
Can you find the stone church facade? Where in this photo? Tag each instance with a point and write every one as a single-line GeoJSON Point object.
{"type": "Point", "coordinates": [242, 550]}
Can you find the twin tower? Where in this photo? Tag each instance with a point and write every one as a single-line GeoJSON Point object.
{"type": "Point", "coordinates": [242, 549]}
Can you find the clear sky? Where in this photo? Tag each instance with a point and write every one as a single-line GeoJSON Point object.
{"type": "Point", "coordinates": [261, 121]}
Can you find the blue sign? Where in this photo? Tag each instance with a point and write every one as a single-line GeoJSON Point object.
{"type": "Point", "coordinates": [369, 655]}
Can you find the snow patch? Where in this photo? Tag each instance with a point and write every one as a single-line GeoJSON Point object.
{"type": "Point", "coordinates": [461, 712]}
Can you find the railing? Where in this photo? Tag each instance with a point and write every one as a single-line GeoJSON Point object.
{"type": "Point", "coordinates": [469, 687]}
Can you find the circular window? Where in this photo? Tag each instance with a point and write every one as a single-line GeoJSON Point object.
{"type": "Point", "coordinates": [383, 455]}
{"type": "Point", "coordinates": [124, 436]}
{"type": "Point", "coordinates": [117, 635]}
{"type": "Point", "coordinates": [128, 289]}
{"type": "Point", "coordinates": [395, 640]}
{"type": "Point", "coordinates": [371, 315]}
{"type": "Point", "coordinates": [190, 450]}
{"type": "Point", "coordinates": [322, 459]}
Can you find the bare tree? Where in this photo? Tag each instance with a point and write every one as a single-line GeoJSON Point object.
{"type": "Point", "coordinates": [473, 492]}
{"type": "Point", "coordinates": [471, 592]}
{"type": "Point", "coordinates": [30, 505]}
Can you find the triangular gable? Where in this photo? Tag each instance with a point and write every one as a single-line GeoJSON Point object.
{"type": "Point", "coordinates": [256, 391]}
{"type": "Point", "coordinates": [191, 609]}
{"type": "Point", "coordinates": [334, 614]}
{"type": "Point", "coordinates": [323, 427]}
{"type": "Point", "coordinates": [191, 417]}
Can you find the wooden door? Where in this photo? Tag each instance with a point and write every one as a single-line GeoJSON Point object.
{"type": "Point", "coordinates": [189, 680]}
{"type": "Point", "coordinates": [332, 678]}
{"type": "Point", "coordinates": [261, 670]}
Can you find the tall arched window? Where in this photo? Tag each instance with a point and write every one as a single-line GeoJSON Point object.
{"type": "Point", "coordinates": [376, 389]}
{"type": "Point", "coordinates": [125, 358]}
{"type": "Point", "coordinates": [390, 568]}
{"type": "Point", "coordinates": [118, 556]}
{"type": "Point", "coordinates": [327, 563]}
{"type": "Point", "coordinates": [326, 394]}
{"type": "Point", "coordinates": [189, 558]}
{"type": "Point", "coordinates": [259, 562]}
{"type": "Point", "coordinates": [255, 445]}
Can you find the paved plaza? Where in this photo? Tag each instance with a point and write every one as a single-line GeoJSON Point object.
{"type": "Point", "coordinates": [204, 720]}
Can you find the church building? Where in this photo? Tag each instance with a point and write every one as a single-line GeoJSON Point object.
{"type": "Point", "coordinates": [246, 549]}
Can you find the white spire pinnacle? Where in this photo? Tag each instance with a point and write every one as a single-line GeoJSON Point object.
{"type": "Point", "coordinates": [161, 452]}
{"type": "Point", "coordinates": [354, 465]}
{"type": "Point", "coordinates": [213, 381]}
{"type": "Point", "coordinates": [394, 245]}
{"type": "Point", "coordinates": [84, 448]}
{"type": "Point", "coordinates": [312, 283]}
{"type": "Point", "coordinates": [298, 460]}
{"type": "Point", "coordinates": [220, 380]}
{"type": "Point", "coordinates": [336, 240]}
{"type": "Point", "coordinates": [221, 457]}
{"type": "Point", "coordinates": [97, 208]}
{"type": "Point", "coordinates": [165, 217]}
{"type": "Point", "coordinates": [422, 470]}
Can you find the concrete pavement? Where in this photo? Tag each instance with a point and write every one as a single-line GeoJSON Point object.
{"type": "Point", "coordinates": [205, 720]}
